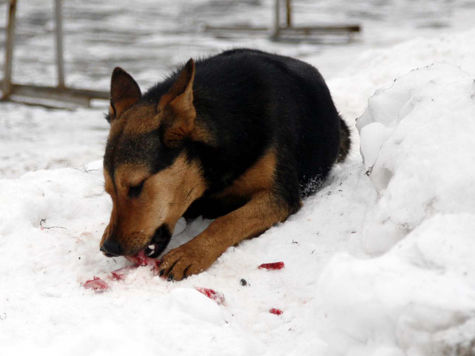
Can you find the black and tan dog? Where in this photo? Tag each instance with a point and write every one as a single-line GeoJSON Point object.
{"type": "Point", "coordinates": [240, 137]}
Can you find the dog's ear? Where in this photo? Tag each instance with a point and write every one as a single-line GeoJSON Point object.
{"type": "Point", "coordinates": [125, 92]}
{"type": "Point", "coordinates": [178, 101]}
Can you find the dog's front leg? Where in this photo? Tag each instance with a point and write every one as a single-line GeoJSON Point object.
{"type": "Point", "coordinates": [259, 214]}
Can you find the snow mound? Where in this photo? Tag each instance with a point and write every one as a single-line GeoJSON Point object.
{"type": "Point", "coordinates": [417, 297]}
{"type": "Point", "coordinates": [417, 147]}
{"type": "Point", "coordinates": [50, 227]}
{"type": "Point", "coordinates": [378, 68]}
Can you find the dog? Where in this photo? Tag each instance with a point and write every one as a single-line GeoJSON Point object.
{"type": "Point", "coordinates": [241, 137]}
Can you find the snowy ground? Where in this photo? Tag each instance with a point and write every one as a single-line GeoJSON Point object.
{"type": "Point", "coordinates": [379, 262]}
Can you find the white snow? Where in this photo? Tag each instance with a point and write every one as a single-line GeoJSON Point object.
{"type": "Point", "coordinates": [378, 68]}
{"type": "Point", "coordinates": [44, 264]}
{"type": "Point", "coordinates": [379, 262]}
{"type": "Point", "coordinates": [416, 142]}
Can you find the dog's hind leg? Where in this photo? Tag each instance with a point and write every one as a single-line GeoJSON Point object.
{"type": "Point", "coordinates": [261, 212]}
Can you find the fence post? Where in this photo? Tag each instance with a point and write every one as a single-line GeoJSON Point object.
{"type": "Point", "coordinates": [9, 43]}
{"type": "Point", "coordinates": [288, 4]}
{"type": "Point", "coordinates": [59, 42]}
{"type": "Point", "coordinates": [276, 20]}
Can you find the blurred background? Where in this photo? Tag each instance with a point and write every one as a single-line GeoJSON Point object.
{"type": "Point", "coordinates": [149, 37]}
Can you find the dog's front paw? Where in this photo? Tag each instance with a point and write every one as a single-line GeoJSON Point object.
{"type": "Point", "coordinates": [184, 261]}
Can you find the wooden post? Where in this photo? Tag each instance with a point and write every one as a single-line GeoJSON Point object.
{"type": "Point", "coordinates": [9, 43]}
{"type": "Point", "coordinates": [288, 5]}
{"type": "Point", "coordinates": [276, 19]}
{"type": "Point", "coordinates": [26, 94]}
{"type": "Point", "coordinates": [59, 42]}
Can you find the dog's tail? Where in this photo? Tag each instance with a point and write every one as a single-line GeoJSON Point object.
{"type": "Point", "coordinates": [345, 141]}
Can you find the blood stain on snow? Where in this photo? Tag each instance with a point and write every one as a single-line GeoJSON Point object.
{"type": "Point", "coordinates": [119, 274]}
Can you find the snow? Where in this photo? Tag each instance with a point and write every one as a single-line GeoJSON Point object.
{"type": "Point", "coordinates": [30, 138]}
{"type": "Point", "coordinates": [416, 141]}
{"type": "Point", "coordinates": [378, 68]}
{"type": "Point", "coordinates": [379, 262]}
{"type": "Point", "coordinates": [416, 293]}
{"type": "Point", "coordinates": [44, 268]}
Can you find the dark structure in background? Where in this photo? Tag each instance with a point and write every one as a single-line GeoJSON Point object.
{"type": "Point", "coordinates": [29, 94]}
{"type": "Point", "coordinates": [61, 95]}
{"type": "Point", "coordinates": [287, 31]}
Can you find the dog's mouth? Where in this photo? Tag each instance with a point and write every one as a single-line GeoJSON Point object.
{"type": "Point", "coordinates": [159, 242]}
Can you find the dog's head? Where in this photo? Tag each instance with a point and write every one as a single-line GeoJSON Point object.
{"type": "Point", "coordinates": [148, 172]}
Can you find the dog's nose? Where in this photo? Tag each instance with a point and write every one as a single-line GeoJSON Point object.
{"type": "Point", "coordinates": [111, 248]}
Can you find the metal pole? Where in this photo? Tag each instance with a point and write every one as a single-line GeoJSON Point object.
{"type": "Point", "coordinates": [277, 19]}
{"type": "Point", "coordinates": [9, 42]}
{"type": "Point", "coordinates": [59, 42]}
{"type": "Point", "coordinates": [288, 4]}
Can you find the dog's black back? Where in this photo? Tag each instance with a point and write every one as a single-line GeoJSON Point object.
{"type": "Point", "coordinates": [250, 101]}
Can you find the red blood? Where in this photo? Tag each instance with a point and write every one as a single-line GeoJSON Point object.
{"type": "Point", "coordinates": [140, 259]}
{"type": "Point", "coordinates": [119, 274]}
{"type": "Point", "coordinates": [212, 294]}
{"type": "Point", "coordinates": [273, 265]}
{"type": "Point", "coordinates": [275, 311]}
{"type": "Point", "coordinates": [96, 284]}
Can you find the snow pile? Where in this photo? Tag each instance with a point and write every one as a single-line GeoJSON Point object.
{"type": "Point", "coordinates": [50, 227]}
{"type": "Point", "coordinates": [378, 68]}
{"type": "Point", "coordinates": [418, 297]}
{"type": "Point", "coordinates": [417, 147]}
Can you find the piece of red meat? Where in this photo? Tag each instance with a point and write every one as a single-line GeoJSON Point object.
{"type": "Point", "coordinates": [140, 259]}
{"type": "Point", "coordinates": [96, 284]}
{"type": "Point", "coordinates": [99, 285]}
{"type": "Point", "coordinates": [272, 266]}
{"type": "Point", "coordinates": [275, 311]}
{"type": "Point", "coordinates": [212, 294]}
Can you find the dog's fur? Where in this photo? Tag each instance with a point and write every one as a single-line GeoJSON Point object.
{"type": "Point", "coordinates": [240, 137]}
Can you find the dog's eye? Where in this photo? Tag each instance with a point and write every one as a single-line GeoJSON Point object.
{"type": "Point", "coordinates": [135, 190]}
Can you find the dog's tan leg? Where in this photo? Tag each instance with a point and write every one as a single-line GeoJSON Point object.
{"type": "Point", "coordinates": [259, 214]}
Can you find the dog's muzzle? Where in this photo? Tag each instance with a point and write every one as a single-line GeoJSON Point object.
{"type": "Point", "coordinates": [111, 248]}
